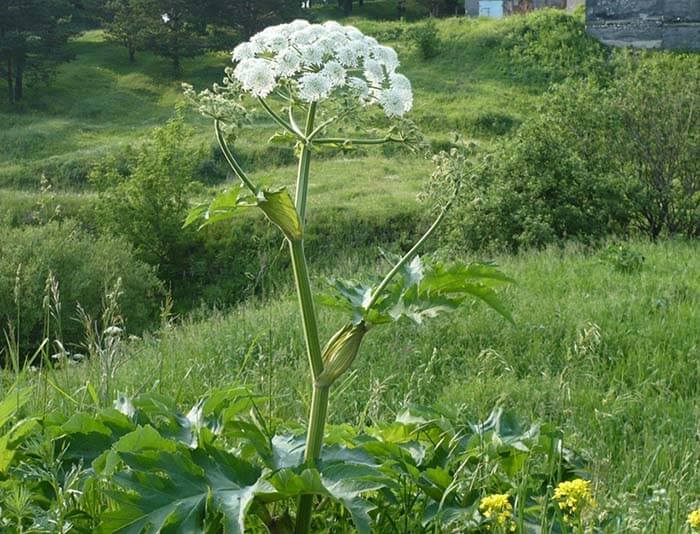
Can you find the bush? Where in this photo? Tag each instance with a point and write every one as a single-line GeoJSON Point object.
{"type": "Point", "coordinates": [551, 46]}
{"type": "Point", "coordinates": [425, 38]}
{"type": "Point", "coordinates": [146, 200]}
{"type": "Point", "coordinates": [542, 185]}
{"type": "Point", "coordinates": [83, 266]}
{"type": "Point", "coordinates": [654, 134]}
{"type": "Point", "coordinates": [597, 160]}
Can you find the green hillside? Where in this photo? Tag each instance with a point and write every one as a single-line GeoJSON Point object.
{"type": "Point", "coordinates": [100, 103]}
{"type": "Point", "coordinates": [596, 379]}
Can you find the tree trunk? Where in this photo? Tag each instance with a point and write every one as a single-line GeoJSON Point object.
{"type": "Point", "coordinates": [11, 91]}
{"type": "Point", "coordinates": [19, 71]}
{"type": "Point", "coordinates": [347, 6]}
{"type": "Point", "coordinates": [132, 53]}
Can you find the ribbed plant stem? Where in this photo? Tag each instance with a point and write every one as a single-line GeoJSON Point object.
{"type": "Point", "coordinates": [314, 442]}
{"type": "Point", "coordinates": [304, 162]}
{"type": "Point", "coordinates": [319, 399]}
{"type": "Point", "coordinates": [306, 306]}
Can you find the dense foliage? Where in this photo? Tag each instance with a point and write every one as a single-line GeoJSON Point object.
{"type": "Point", "coordinates": [145, 465]}
{"type": "Point", "coordinates": [47, 271]}
{"type": "Point", "coordinates": [33, 35]}
{"type": "Point", "coordinates": [600, 159]}
{"type": "Point", "coordinates": [550, 46]}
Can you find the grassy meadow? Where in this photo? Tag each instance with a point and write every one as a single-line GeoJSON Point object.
{"type": "Point", "coordinates": [608, 355]}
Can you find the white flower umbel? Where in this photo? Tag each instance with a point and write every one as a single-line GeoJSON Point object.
{"type": "Point", "coordinates": [314, 86]}
{"type": "Point", "coordinates": [256, 76]}
{"type": "Point", "coordinates": [313, 62]}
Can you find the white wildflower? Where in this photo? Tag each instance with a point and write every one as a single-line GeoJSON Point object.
{"type": "Point", "coordinates": [374, 71]}
{"type": "Point", "coordinates": [314, 86]}
{"type": "Point", "coordinates": [288, 62]}
{"type": "Point", "coordinates": [335, 73]}
{"type": "Point", "coordinates": [395, 102]}
{"type": "Point", "coordinates": [165, 18]}
{"type": "Point", "coordinates": [256, 76]}
{"type": "Point", "coordinates": [315, 61]}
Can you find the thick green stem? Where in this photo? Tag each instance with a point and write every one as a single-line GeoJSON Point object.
{"type": "Point", "coordinates": [314, 442]}
{"type": "Point", "coordinates": [319, 399]}
{"type": "Point", "coordinates": [304, 162]}
{"type": "Point", "coordinates": [306, 305]}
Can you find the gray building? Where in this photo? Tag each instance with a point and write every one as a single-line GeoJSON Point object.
{"type": "Point", "coordinates": [645, 23]}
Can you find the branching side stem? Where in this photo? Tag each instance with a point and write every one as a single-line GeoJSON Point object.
{"type": "Point", "coordinates": [232, 160]}
{"type": "Point", "coordinates": [409, 255]}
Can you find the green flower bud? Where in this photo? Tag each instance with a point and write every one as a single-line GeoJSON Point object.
{"type": "Point", "coordinates": [340, 352]}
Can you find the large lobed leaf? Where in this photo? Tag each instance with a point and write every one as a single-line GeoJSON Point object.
{"type": "Point", "coordinates": [276, 204]}
{"type": "Point", "coordinates": [168, 487]}
{"type": "Point", "coordinates": [422, 291]}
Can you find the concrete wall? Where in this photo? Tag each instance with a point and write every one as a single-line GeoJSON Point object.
{"type": "Point", "coordinates": [645, 23]}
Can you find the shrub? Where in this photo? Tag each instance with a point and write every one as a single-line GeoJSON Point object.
{"type": "Point", "coordinates": [146, 200]}
{"type": "Point", "coordinates": [551, 46]}
{"type": "Point", "coordinates": [544, 184]}
{"type": "Point", "coordinates": [425, 38]}
{"type": "Point", "coordinates": [598, 159]}
{"type": "Point", "coordinates": [654, 139]}
{"type": "Point", "coordinates": [84, 268]}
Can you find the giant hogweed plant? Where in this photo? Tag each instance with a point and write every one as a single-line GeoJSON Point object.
{"type": "Point", "coordinates": [311, 79]}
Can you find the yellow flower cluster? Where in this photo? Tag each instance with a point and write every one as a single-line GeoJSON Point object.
{"type": "Point", "coordinates": [694, 519]}
{"type": "Point", "coordinates": [574, 496]}
{"type": "Point", "coordinates": [497, 507]}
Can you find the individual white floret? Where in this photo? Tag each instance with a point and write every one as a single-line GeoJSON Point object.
{"type": "Point", "coordinates": [332, 25]}
{"type": "Point", "coordinates": [314, 86]}
{"type": "Point", "coordinates": [296, 25]}
{"type": "Point", "coordinates": [359, 48]}
{"type": "Point", "coordinates": [387, 56]}
{"type": "Point", "coordinates": [306, 36]}
{"type": "Point", "coordinates": [244, 51]}
{"type": "Point", "coordinates": [312, 56]}
{"type": "Point", "coordinates": [399, 81]}
{"type": "Point", "coordinates": [359, 88]}
{"type": "Point", "coordinates": [347, 57]}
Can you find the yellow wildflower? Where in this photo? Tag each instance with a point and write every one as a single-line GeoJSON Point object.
{"type": "Point", "coordinates": [498, 509]}
{"type": "Point", "coordinates": [574, 496]}
{"type": "Point", "coordinates": [694, 519]}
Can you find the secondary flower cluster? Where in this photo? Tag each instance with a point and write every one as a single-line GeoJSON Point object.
{"type": "Point", "coordinates": [315, 61]}
{"type": "Point", "coordinates": [498, 509]}
{"type": "Point", "coordinates": [574, 496]}
{"type": "Point", "coordinates": [694, 520]}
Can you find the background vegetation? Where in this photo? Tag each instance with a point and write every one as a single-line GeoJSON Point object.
{"type": "Point", "coordinates": [581, 169]}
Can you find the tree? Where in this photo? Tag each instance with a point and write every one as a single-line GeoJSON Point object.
{"type": "Point", "coordinates": [250, 16]}
{"type": "Point", "coordinates": [33, 35]}
{"type": "Point", "coordinates": [176, 29]}
{"type": "Point", "coordinates": [126, 22]}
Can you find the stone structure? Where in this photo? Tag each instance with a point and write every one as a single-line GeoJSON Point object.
{"type": "Point", "coordinates": [645, 23]}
